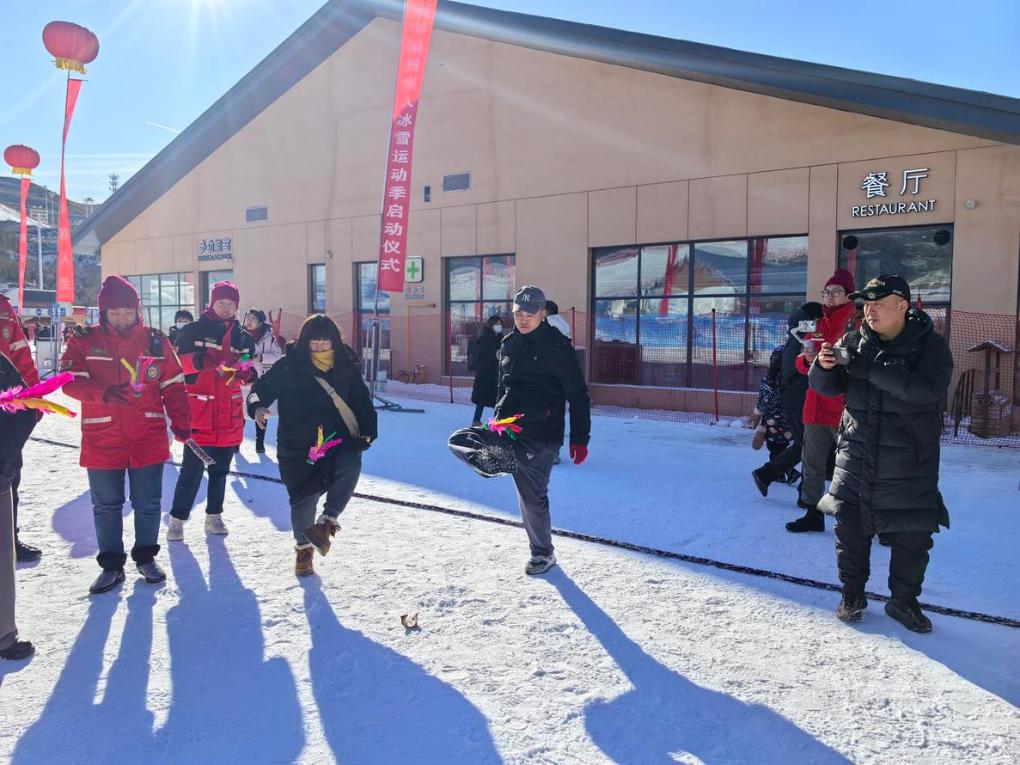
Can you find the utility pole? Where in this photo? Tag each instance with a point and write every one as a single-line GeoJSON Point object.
{"type": "Point", "coordinates": [114, 182]}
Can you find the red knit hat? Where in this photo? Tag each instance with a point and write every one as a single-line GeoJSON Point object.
{"type": "Point", "coordinates": [225, 290]}
{"type": "Point", "coordinates": [842, 278]}
{"type": "Point", "coordinates": [117, 292]}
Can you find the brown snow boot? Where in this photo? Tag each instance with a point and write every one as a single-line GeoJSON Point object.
{"type": "Point", "coordinates": [305, 555]}
{"type": "Point", "coordinates": [322, 532]}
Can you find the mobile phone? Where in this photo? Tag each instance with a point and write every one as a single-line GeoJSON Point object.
{"type": "Point", "coordinates": [842, 355]}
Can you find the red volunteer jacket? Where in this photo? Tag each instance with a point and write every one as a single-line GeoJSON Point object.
{"type": "Point", "coordinates": [835, 322]}
{"type": "Point", "coordinates": [14, 344]}
{"type": "Point", "coordinates": [217, 402]}
{"type": "Point", "coordinates": [115, 436]}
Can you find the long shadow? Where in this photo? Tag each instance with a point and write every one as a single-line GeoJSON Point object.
{"type": "Point", "coordinates": [72, 727]}
{"type": "Point", "coordinates": [262, 498]}
{"type": "Point", "coordinates": [665, 714]}
{"type": "Point", "coordinates": [229, 703]}
{"type": "Point", "coordinates": [379, 706]}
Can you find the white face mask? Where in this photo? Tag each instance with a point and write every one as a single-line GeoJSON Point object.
{"type": "Point", "coordinates": [497, 328]}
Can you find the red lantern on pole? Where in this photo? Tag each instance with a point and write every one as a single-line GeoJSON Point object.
{"type": "Point", "coordinates": [71, 45]}
{"type": "Point", "coordinates": [23, 160]}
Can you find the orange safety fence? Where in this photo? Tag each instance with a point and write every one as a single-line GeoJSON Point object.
{"type": "Point", "coordinates": [669, 366]}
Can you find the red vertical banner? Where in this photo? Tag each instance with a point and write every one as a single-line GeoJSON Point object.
{"type": "Point", "coordinates": [65, 255]}
{"type": "Point", "coordinates": [23, 242]}
{"type": "Point", "coordinates": [419, 16]}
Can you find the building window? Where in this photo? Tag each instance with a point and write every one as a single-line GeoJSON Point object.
{"type": "Point", "coordinates": [476, 288]}
{"type": "Point", "coordinates": [163, 295]}
{"type": "Point", "coordinates": [365, 293]}
{"type": "Point", "coordinates": [653, 308]}
{"type": "Point", "coordinates": [317, 288]}
{"type": "Point", "coordinates": [922, 255]}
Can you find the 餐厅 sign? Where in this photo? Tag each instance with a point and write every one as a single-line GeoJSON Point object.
{"type": "Point", "coordinates": [881, 197]}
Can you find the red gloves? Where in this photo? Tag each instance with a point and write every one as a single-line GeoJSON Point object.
{"type": "Point", "coordinates": [118, 394]}
{"type": "Point", "coordinates": [211, 359]}
{"type": "Point", "coordinates": [578, 453]}
{"type": "Point", "coordinates": [181, 434]}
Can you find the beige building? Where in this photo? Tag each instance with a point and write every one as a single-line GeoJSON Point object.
{"type": "Point", "coordinates": [641, 181]}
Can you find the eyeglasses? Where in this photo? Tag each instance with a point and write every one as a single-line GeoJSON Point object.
{"type": "Point", "coordinates": [834, 292]}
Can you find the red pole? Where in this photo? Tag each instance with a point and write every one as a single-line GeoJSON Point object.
{"type": "Point", "coordinates": [715, 369]}
{"type": "Point", "coordinates": [449, 352]}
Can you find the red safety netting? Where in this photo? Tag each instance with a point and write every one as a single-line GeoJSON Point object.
{"type": "Point", "coordinates": [673, 367]}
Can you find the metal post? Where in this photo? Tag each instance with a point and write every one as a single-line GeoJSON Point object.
{"type": "Point", "coordinates": [715, 369]}
{"type": "Point", "coordinates": [38, 229]}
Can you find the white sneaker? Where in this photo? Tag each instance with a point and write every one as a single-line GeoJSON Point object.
{"type": "Point", "coordinates": [214, 524]}
{"type": "Point", "coordinates": [175, 530]}
{"type": "Point", "coordinates": [539, 564]}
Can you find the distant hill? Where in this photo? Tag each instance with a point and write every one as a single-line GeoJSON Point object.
{"type": "Point", "coordinates": [10, 195]}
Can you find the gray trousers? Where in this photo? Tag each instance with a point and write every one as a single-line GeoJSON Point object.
{"type": "Point", "coordinates": [819, 443]}
{"type": "Point", "coordinates": [346, 472]}
{"type": "Point", "coordinates": [8, 629]}
{"type": "Point", "coordinates": [535, 463]}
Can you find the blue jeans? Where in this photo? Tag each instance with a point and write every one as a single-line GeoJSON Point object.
{"type": "Point", "coordinates": [107, 489]}
{"type": "Point", "coordinates": [190, 479]}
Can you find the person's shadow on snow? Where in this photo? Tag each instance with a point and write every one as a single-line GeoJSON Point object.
{"type": "Point", "coordinates": [264, 499]}
{"type": "Point", "coordinates": [73, 727]}
{"type": "Point", "coordinates": [379, 706]}
{"type": "Point", "coordinates": [666, 714]}
{"type": "Point", "coordinates": [229, 703]}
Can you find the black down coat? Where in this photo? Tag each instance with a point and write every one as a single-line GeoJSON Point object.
{"type": "Point", "coordinates": [538, 374]}
{"type": "Point", "coordinates": [887, 451]}
{"type": "Point", "coordinates": [487, 375]}
{"type": "Point", "coordinates": [15, 427]}
{"type": "Point", "coordinates": [304, 406]}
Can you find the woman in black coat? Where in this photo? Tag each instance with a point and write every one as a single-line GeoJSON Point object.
{"type": "Point", "coordinates": [317, 384]}
{"type": "Point", "coordinates": [483, 392]}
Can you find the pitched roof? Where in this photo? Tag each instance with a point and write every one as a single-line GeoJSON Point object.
{"type": "Point", "coordinates": [956, 110]}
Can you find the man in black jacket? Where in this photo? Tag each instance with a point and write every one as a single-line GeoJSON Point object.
{"type": "Point", "coordinates": [895, 372]}
{"type": "Point", "coordinates": [792, 407]}
{"type": "Point", "coordinates": [538, 375]}
{"type": "Point", "coordinates": [14, 431]}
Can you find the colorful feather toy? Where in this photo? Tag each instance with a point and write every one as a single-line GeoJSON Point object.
{"type": "Point", "coordinates": [322, 445]}
{"type": "Point", "coordinates": [507, 426]}
{"type": "Point", "coordinates": [241, 365]}
{"type": "Point", "coordinates": [18, 398]}
{"type": "Point", "coordinates": [137, 372]}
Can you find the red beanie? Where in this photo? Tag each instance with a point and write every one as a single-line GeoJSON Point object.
{"type": "Point", "coordinates": [117, 292]}
{"type": "Point", "coordinates": [225, 291]}
{"type": "Point", "coordinates": [842, 278]}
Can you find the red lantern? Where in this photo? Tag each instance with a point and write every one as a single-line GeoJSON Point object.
{"type": "Point", "coordinates": [22, 159]}
{"type": "Point", "coordinates": [71, 45]}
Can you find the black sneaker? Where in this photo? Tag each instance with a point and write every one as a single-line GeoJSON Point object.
{"type": "Point", "coordinates": [851, 607]}
{"type": "Point", "coordinates": [763, 485]}
{"type": "Point", "coordinates": [106, 581]}
{"type": "Point", "coordinates": [812, 520]}
{"type": "Point", "coordinates": [792, 476]}
{"type": "Point", "coordinates": [260, 449]}
{"type": "Point", "coordinates": [908, 613]}
{"type": "Point", "coordinates": [26, 553]}
{"type": "Point", "coordinates": [18, 650]}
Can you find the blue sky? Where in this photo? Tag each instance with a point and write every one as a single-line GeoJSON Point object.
{"type": "Point", "coordinates": [163, 62]}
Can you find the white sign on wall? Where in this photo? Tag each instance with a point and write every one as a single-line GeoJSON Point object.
{"type": "Point", "coordinates": [215, 249]}
{"type": "Point", "coordinates": [876, 185]}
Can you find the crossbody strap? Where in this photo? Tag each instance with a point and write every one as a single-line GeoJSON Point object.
{"type": "Point", "coordinates": [346, 413]}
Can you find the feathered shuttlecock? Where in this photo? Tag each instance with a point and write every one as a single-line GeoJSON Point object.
{"type": "Point", "coordinates": [19, 398]}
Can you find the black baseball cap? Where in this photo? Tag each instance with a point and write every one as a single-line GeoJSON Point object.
{"type": "Point", "coordinates": [529, 299]}
{"type": "Point", "coordinates": [883, 286]}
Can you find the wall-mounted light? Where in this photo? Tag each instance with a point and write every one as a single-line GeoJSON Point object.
{"type": "Point", "coordinates": [970, 204]}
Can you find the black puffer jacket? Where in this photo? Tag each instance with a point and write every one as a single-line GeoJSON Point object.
{"type": "Point", "coordinates": [487, 375]}
{"type": "Point", "coordinates": [304, 406]}
{"type": "Point", "coordinates": [14, 428]}
{"type": "Point", "coordinates": [538, 374]}
{"type": "Point", "coordinates": [887, 453]}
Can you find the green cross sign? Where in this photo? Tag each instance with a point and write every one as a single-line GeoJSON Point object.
{"type": "Point", "coordinates": [414, 270]}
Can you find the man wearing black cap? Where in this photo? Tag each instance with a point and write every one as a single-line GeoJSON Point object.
{"type": "Point", "coordinates": [538, 374]}
{"type": "Point", "coordinates": [895, 371]}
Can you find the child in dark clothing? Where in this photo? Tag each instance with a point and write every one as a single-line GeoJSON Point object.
{"type": "Point", "coordinates": [770, 425]}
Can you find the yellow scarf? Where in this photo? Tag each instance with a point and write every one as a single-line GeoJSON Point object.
{"type": "Point", "coordinates": [323, 360]}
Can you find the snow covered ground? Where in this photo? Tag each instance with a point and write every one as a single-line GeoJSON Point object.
{"type": "Point", "coordinates": [614, 656]}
